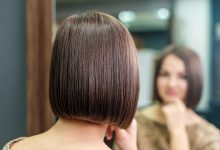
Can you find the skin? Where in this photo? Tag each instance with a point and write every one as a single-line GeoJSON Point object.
{"type": "Point", "coordinates": [172, 87]}
{"type": "Point", "coordinates": [171, 82]}
{"type": "Point", "coordinates": [126, 139]}
{"type": "Point", "coordinates": [71, 134]}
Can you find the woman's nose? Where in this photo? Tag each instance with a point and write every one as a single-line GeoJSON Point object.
{"type": "Point", "coordinates": [172, 82]}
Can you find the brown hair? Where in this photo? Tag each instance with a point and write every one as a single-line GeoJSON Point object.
{"type": "Point", "coordinates": [193, 73]}
{"type": "Point", "coordinates": [94, 71]}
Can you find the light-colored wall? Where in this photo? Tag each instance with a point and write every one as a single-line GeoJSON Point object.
{"type": "Point", "coordinates": [147, 61]}
{"type": "Point", "coordinates": [192, 29]}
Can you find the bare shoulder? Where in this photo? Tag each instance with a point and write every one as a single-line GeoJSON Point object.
{"type": "Point", "coordinates": [28, 143]}
{"type": "Point", "coordinates": [8, 145]}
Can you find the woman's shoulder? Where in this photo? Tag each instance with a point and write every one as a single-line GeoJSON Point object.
{"type": "Point", "coordinates": [151, 132]}
{"type": "Point", "coordinates": [12, 142]}
{"type": "Point", "coordinates": [147, 118]}
{"type": "Point", "coordinates": [142, 114]}
{"type": "Point", "coordinates": [148, 113]}
{"type": "Point", "coordinates": [204, 135]}
{"type": "Point", "coordinates": [204, 128]}
{"type": "Point", "coordinates": [26, 143]}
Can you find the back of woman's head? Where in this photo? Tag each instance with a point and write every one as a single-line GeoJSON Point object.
{"type": "Point", "coordinates": [193, 70]}
{"type": "Point", "coordinates": [94, 72]}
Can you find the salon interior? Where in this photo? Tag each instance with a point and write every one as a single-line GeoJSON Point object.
{"type": "Point", "coordinates": [27, 30]}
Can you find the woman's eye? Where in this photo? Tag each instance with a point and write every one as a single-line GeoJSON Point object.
{"type": "Point", "coordinates": [163, 73]}
{"type": "Point", "coordinates": [183, 76]}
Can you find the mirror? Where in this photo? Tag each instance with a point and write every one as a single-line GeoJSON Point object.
{"type": "Point", "coordinates": [148, 22]}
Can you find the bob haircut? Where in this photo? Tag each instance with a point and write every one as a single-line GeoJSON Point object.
{"type": "Point", "coordinates": [94, 72]}
{"type": "Point", "coordinates": [193, 73]}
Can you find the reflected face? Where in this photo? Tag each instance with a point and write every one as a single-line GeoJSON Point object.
{"type": "Point", "coordinates": [171, 81]}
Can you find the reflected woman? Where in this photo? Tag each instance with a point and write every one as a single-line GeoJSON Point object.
{"type": "Point", "coordinates": [171, 123]}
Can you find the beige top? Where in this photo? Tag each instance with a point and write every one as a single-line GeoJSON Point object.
{"type": "Point", "coordinates": [9, 144]}
{"type": "Point", "coordinates": [155, 136]}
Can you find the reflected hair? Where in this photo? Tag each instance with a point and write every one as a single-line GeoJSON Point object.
{"type": "Point", "coordinates": [94, 73]}
{"type": "Point", "coordinates": [193, 73]}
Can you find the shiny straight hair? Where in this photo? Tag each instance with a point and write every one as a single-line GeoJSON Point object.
{"type": "Point", "coordinates": [94, 72]}
{"type": "Point", "coordinates": [193, 73]}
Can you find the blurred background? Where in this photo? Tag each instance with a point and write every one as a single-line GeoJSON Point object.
{"type": "Point", "coordinates": [27, 28]}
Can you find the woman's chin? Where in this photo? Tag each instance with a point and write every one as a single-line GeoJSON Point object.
{"type": "Point", "coordinates": [170, 100]}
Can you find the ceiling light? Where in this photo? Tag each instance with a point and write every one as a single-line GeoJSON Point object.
{"type": "Point", "coordinates": [126, 16]}
{"type": "Point", "coordinates": [163, 13]}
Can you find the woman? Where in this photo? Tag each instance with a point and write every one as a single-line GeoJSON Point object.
{"type": "Point", "coordinates": [94, 86]}
{"type": "Point", "coordinates": [170, 123]}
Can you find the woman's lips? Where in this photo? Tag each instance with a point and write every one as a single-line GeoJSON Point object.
{"type": "Point", "coordinates": [171, 93]}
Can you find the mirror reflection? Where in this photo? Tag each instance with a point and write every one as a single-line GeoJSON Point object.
{"type": "Point", "coordinates": [148, 22]}
{"type": "Point", "coordinates": [153, 25]}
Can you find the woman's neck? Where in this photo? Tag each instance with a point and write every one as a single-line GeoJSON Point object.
{"type": "Point", "coordinates": [76, 131]}
{"type": "Point", "coordinates": [68, 134]}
